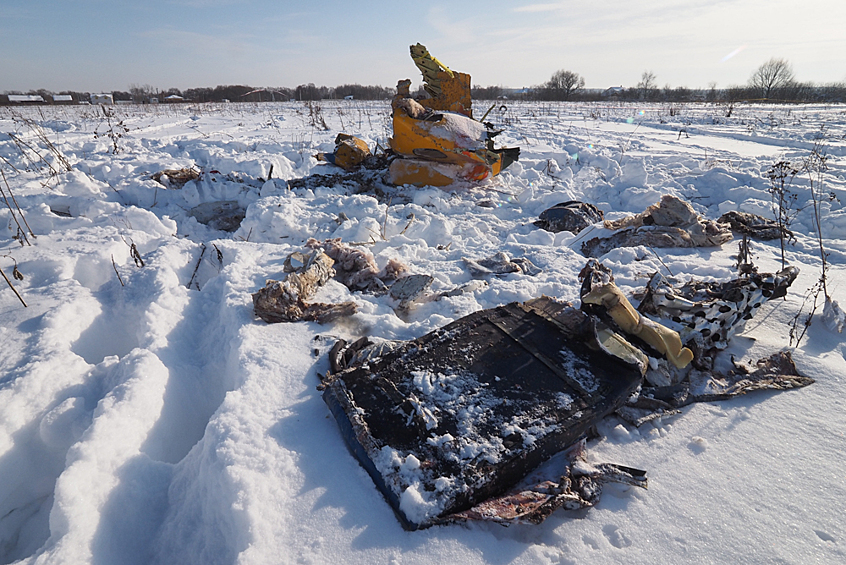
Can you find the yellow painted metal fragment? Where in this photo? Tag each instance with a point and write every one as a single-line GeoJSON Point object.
{"type": "Point", "coordinates": [427, 173]}
{"type": "Point", "coordinates": [350, 151]}
{"type": "Point", "coordinates": [449, 90]}
{"type": "Point", "coordinates": [662, 338]}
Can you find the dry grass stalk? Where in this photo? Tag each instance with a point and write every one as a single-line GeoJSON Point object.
{"type": "Point", "coordinates": [21, 232]}
{"type": "Point", "coordinates": [116, 271]}
{"type": "Point", "coordinates": [16, 204]}
{"type": "Point", "coordinates": [13, 287]}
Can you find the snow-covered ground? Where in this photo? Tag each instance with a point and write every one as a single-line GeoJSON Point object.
{"type": "Point", "coordinates": [142, 421]}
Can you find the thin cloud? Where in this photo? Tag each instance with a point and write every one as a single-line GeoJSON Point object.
{"type": "Point", "coordinates": [205, 3]}
{"type": "Point", "coordinates": [534, 8]}
{"type": "Point", "coordinates": [192, 41]}
{"type": "Point", "coordinates": [453, 30]}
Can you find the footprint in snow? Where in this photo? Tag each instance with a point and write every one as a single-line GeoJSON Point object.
{"type": "Point", "coordinates": [615, 537]}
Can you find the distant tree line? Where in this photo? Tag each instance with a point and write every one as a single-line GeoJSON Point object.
{"type": "Point", "coordinates": [773, 81]}
{"type": "Point", "coordinates": [141, 94]}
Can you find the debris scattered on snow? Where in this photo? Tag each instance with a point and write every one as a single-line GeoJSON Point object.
{"type": "Point", "coordinates": [285, 301]}
{"type": "Point", "coordinates": [670, 223]}
{"type": "Point", "coordinates": [500, 264]}
{"type": "Point", "coordinates": [356, 268]}
{"type": "Point", "coordinates": [572, 216]}
{"type": "Point", "coordinates": [754, 225]}
{"type": "Point", "coordinates": [442, 425]}
{"type": "Point", "coordinates": [175, 178]}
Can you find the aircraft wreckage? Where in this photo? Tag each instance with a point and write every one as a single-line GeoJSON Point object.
{"type": "Point", "coordinates": [435, 140]}
{"type": "Point", "coordinates": [486, 418]}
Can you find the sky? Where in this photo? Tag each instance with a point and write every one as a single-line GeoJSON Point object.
{"type": "Point", "coordinates": [106, 45]}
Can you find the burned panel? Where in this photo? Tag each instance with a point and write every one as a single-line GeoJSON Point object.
{"type": "Point", "coordinates": [464, 412]}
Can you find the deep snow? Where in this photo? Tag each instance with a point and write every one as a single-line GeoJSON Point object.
{"type": "Point", "coordinates": [152, 423]}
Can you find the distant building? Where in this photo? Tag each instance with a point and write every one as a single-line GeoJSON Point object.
{"type": "Point", "coordinates": [62, 99]}
{"type": "Point", "coordinates": [174, 98]}
{"type": "Point", "coordinates": [25, 99]}
{"type": "Point", "coordinates": [612, 91]}
{"type": "Point", "coordinates": [349, 97]}
{"type": "Point", "coordinates": [102, 99]}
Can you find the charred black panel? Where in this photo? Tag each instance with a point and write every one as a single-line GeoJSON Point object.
{"type": "Point", "coordinates": [479, 403]}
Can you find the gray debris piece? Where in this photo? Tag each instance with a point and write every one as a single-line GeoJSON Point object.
{"type": "Point", "coordinates": [500, 264]}
{"type": "Point", "coordinates": [776, 372]}
{"type": "Point", "coordinates": [407, 289]}
{"type": "Point", "coordinates": [571, 216]}
{"type": "Point", "coordinates": [754, 225]}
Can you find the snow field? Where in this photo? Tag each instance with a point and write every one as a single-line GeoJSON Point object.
{"type": "Point", "coordinates": [147, 422]}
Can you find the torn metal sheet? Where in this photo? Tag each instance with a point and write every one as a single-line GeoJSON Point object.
{"type": "Point", "coordinates": [449, 90]}
{"type": "Point", "coordinates": [710, 313]}
{"type": "Point", "coordinates": [567, 481]}
{"type": "Point", "coordinates": [776, 372]}
{"type": "Point", "coordinates": [436, 138]}
{"type": "Point", "coordinates": [350, 152]}
{"type": "Point", "coordinates": [448, 420]}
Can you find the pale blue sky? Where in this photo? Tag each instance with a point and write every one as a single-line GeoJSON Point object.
{"type": "Point", "coordinates": [93, 45]}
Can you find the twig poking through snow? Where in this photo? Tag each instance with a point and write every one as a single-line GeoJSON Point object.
{"type": "Point", "coordinates": [200, 260]}
{"type": "Point", "coordinates": [13, 287]}
{"type": "Point", "coordinates": [114, 265]}
{"type": "Point", "coordinates": [133, 252]}
{"type": "Point", "coordinates": [14, 216]}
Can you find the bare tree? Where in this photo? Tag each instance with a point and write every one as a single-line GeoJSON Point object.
{"type": "Point", "coordinates": [141, 93]}
{"type": "Point", "coordinates": [772, 76]}
{"type": "Point", "coordinates": [712, 91]}
{"type": "Point", "coordinates": [565, 83]}
{"type": "Point", "coordinates": [647, 85]}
